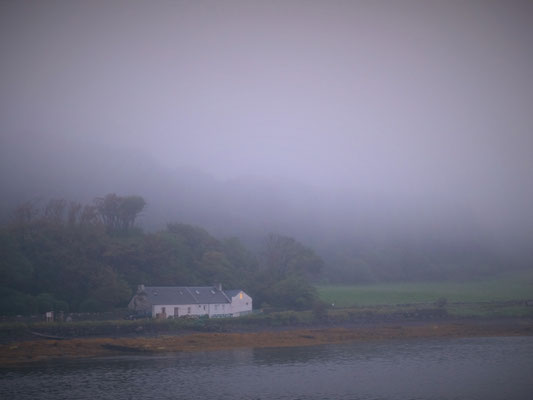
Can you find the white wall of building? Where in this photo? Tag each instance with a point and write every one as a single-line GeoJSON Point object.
{"type": "Point", "coordinates": [175, 310]}
{"type": "Point", "coordinates": [220, 310]}
{"type": "Point", "coordinates": [180, 310]}
{"type": "Point", "coordinates": [240, 304]}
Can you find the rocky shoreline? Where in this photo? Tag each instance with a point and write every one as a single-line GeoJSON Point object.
{"type": "Point", "coordinates": [42, 349]}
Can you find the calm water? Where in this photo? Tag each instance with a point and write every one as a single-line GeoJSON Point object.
{"type": "Point", "coordinates": [479, 368]}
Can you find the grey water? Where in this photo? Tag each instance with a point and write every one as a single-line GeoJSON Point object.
{"type": "Point", "coordinates": [473, 368]}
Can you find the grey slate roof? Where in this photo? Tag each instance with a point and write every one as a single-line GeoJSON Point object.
{"type": "Point", "coordinates": [231, 293]}
{"type": "Point", "coordinates": [186, 295]}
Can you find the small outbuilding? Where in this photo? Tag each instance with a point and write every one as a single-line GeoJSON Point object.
{"type": "Point", "coordinates": [182, 301]}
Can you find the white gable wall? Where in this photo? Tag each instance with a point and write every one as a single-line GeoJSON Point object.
{"type": "Point", "coordinates": [241, 304]}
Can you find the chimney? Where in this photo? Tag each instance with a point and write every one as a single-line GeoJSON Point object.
{"type": "Point", "coordinates": [140, 289]}
{"type": "Point", "coordinates": [218, 286]}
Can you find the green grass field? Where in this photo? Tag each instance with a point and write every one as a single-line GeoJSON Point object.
{"type": "Point", "coordinates": [518, 286]}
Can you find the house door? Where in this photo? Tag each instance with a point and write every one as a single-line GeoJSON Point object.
{"type": "Point", "coordinates": [176, 311]}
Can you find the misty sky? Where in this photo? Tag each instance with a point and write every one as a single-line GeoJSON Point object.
{"type": "Point", "coordinates": [397, 97]}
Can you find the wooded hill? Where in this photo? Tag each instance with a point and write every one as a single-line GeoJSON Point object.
{"type": "Point", "coordinates": [73, 257]}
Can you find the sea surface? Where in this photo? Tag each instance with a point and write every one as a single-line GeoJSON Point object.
{"type": "Point", "coordinates": [473, 368]}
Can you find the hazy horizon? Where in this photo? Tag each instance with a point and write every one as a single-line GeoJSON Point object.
{"type": "Point", "coordinates": [414, 105]}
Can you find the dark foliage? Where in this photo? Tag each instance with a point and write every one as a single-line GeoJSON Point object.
{"type": "Point", "coordinates": [88, 258]}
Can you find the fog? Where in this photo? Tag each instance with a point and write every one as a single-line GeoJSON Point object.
{"type": "Point", "coordinates": [333, 121]}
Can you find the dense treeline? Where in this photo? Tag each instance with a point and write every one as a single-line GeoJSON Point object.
{"type": "Point", "coordinates": [74, 257]}
{"type": "Point", "coordinates": [419, 259]}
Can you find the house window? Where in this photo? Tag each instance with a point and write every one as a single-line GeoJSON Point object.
{"type": "Point", "coordinates": [176, 311]}
{"type": "Point", "coordinates": [240, 295]}
{"type": "Point", "coordinates": [188, 310]}
{"type": "Point", "coordinates": [216, 306]}
{"type": "Point", "coordinates": [163, 310]}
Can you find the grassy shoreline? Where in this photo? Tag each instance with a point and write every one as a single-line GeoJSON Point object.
{"type": "Point", "coordinates": [38, 350]}
{"type": "Point", "coordinates": [496, 307]}
{"type": "Point", "coordinates": [322, 316]}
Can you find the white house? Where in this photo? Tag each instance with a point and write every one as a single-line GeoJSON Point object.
{"type": "Point", "coordinates": [180, 301]}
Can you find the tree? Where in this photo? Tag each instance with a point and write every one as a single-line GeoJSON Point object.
{"type": "Point", "coordinates": [284, 256]}
{"type": "Point", "coordinates": [119, 213]}
{"type": "Point", "coordinates": [54, 211]}
{"type": "Point", "coordinates": [283, 279]}
{"type": "Point", "coordinates": [129, 209]}
{"type": "Point", "coordinates": [294, 292]}
{"type": "Point", "coordinates": [108, 288]}
{"type": "Point", "coordinates": [15, 268]}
